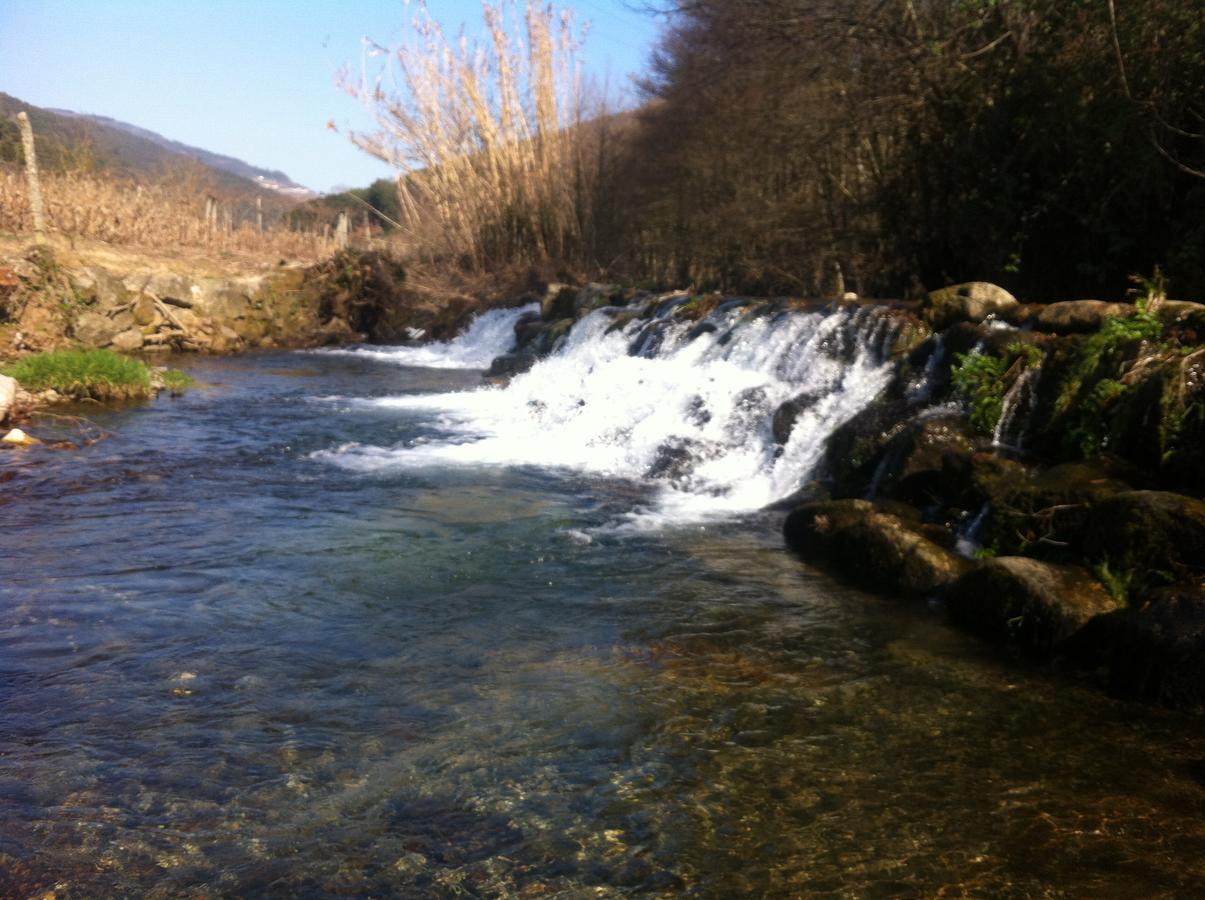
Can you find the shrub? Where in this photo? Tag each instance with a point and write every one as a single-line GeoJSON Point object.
{"type": "Point", "coordinates": [980, 379]}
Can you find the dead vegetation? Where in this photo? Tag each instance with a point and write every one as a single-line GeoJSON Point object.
{"type": "Point", "coordinates": [156, 215]}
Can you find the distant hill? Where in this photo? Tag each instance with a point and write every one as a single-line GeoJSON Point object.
{"type": "Point", "coordinates": [273, 179]}
{"type": "Point", "coordinates": [68, 141]}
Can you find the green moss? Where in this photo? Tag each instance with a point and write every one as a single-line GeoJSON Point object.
{"type": "Point", "coordinates": [1118, 584]}
{"type": "Point", "coordinates": [84, 374]}
{"type": "Point", "coordinates": [1105, 348]}
{"type": "Point", "coordinates": [174, 380]}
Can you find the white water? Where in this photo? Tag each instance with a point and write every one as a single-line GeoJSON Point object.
{"type": "Point", "coordinates": [1018, 406]}
{"type": "Point", "coordinates": [489, 335]}
{"type": "Point", "coordinates": [693, 416]}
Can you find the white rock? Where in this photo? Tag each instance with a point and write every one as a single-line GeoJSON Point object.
{"type": "Point", "coordinates": [8, 395]}
{"type": "Point", "coordinates": [19, 438]}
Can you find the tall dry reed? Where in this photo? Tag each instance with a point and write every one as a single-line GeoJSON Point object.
{"type": "Point", "coordinates": [495, 160]}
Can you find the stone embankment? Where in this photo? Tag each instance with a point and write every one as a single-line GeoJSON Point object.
{"type": "Point", "coordinates": [1032, 469]}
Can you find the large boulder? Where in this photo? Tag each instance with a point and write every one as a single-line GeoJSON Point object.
{"type": "Point", "coordinates": [1147, 538]}
{"type": "Point", "coordinates": [1184, 320]}
{"type": "Point", "coordinates": [1038, 605]}
{"type": "Point", "coordinates": [874, 549]}
{"type": "Point", "coordinates": [94, 329]}
{"type": "Point", "coordinates": [970, 302]}
{"type": "Point", "coordinates": [1153, 650]}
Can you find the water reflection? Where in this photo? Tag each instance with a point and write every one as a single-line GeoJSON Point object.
{"type": "Point", "coordinates": [225, 671]}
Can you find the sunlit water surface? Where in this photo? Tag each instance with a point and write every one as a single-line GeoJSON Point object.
{"type": "Point", "coordinates": [230, 668]}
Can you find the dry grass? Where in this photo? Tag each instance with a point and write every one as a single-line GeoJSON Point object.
{"type": "Point", "coordinates": [495, 164]}
{"type": "Point", "coordinates": [156, 216]}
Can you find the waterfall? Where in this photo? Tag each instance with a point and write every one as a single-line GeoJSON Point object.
{"type": "Point", "coordinates": [687, 407]}
{"type": "Point", "coordinates": [489, 334]}
{"type": "Point", "coordinates": [968, 536]}
{"type": "Point", "coordinates": [1019, 403]}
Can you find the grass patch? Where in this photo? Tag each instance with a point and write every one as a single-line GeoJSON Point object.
{"type": "Point", "coordinates": [84, 374]}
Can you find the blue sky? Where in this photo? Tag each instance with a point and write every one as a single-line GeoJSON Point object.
{"type": "Point", "coordinates": [253, 79]}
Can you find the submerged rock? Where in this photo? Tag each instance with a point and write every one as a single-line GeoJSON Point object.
{"type": "Point", "coordinates": [1035, 604]}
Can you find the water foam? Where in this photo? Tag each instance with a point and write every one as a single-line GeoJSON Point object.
{"type": "Point", "coordinates": [686, 407]}
{"type": "Point", "coordinates": [488, 335]}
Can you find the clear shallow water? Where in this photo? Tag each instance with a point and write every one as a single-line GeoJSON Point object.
{"type": "Point", "coordinates": [228, 667]}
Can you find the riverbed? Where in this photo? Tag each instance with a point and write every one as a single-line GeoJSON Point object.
{"type": "Point", "coordinates": [234, 664]}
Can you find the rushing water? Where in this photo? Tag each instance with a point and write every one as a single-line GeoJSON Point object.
{"type": "Point", "coordinates": [332, 625]}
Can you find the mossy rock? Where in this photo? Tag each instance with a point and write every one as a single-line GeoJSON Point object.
{"type": "Point", "coordinates": [972, 302]}
{"type": "Point", "coordinates": [912, 465]}
{"type": "Point", "coordinates": [1042, 514]}
{"type": "Point", "coordinates": [852, 451]}
{"type": "Point", "coordinates": [1035, 604]}
{"type": "Point", "coordinates": [1154, 650]}
{"type": "Point", "coordinates": [1078, 316]}
{"type": "Point", "coordinates": [871, 548]}
{"type": "Point", "coordinates": [560, 302]}
{"type": "Point", "coordinates": [1150, 538]}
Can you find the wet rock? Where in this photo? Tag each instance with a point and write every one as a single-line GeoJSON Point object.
{"type": "Point", "coordinates": [852, 451]}
{"type": "Point", "coordinates": [871, 548]}
{"type": "Point", "coordinates": [8, 395]}
{"type": "Point", "coordinates": [511, 364]}
{"type": "Point", "coordinates": [18, 438]}
{"type": "Point", "coordinates": [127, 341]}
{"type": "Point", "coordinates": [1147, 537]}
{"type": "Point", "coordinates": [595, 296]}
{"type": "Point", "coordinates": [678, 456]}
{"type": "Point", "coordinates": [1154, 650]}
{"type": "Point", "coordinates": [1078, 316]}
{"type": "Point", "coordinates": [1035, 604]}
{"type": "Point", "coordinates": [970, 302]}
{"type": "Point", "coordinates": [911, 466]}
{"type": "Point", "coordinates": [786, 415]}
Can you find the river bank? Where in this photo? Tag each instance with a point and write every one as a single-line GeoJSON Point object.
{"type": "Point", "coordinates": [1034, 469]}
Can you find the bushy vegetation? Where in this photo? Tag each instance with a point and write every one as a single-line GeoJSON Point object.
{"type": "Point", "coordinates": [980, 379]}
{"type": "Point", "coordinates": [92, 375]}
{"type": "Point", "coordinates": [1051, 146]}
{"type": "Point", "coordinates": [1042, 144]}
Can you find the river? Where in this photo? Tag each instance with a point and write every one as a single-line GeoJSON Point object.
{"type": "Point", "coordinates": [333, 624]}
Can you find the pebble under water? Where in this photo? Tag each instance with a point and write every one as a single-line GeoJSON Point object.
{"type": "Point", "coordinates": [231, 668]}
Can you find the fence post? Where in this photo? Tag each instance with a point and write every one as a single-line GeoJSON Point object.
{"type": "Point", "coordinates": [259, 214]}
{"type": "Point", "coordinates": [31, 174]}
{"type": "Point", "coordinates": [341, 231]}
